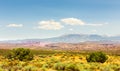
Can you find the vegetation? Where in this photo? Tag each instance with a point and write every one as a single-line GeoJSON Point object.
{"type": "Point", "coordinates": [97, 57]}
{"type": "Point", "coordinates": [58, 61]}
{"type": "Point", "coordinates": [20, 54]}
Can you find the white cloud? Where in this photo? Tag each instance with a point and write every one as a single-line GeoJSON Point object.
{"type": "Point", "coordinates": [76, 21]}
{"type": "Point", "coordinates": [54, 25]}
{"type": "Point", "coordinates": [15, 25]}
{"type": "Point", "coordinates": [94, 24]}
{"type": "Point", "coordinates": [50, 25]}
{"type": "Point", "coordinates": [90, 24]}
{"type": "Point", "coordinates": [72, 21]}
{"type": "Point", "coordinates": [71, 29]}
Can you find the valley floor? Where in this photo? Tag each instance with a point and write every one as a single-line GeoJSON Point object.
{"type": "Point", "coordinates": [48, 61]}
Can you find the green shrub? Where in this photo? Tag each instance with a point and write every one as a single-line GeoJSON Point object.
{"type": "Point", "coordinates": [72, 67]}
{"type": "Point", "coordinates": [60, 66]}
{"type": "Point", "coordinates": [20, 54]}
{"type": "Point", "coordinates": [97, 57]}
{"type": "Point", "coordinates": [66, 67]}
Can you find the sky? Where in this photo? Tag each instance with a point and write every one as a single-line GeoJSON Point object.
{"type": "Point", "coordinates": [26, 19]}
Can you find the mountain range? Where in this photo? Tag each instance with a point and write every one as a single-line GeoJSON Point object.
{"type": "Point", "coordinates": [71, 38]}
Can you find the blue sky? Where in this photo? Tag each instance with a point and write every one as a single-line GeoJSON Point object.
{"type": "Point", "coordinates": [24, 19]}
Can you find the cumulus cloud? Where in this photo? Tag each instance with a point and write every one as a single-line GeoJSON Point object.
{"type": "Point", "coordinates": [72, 21]}
{"type": "Point", "coordinates": [76, 21]}
{"type": "Point", "coordinates": [94, 24]}
{"type": "Point", "coordinates": [56, 25]}
{"type": "Point", "coordinates": [15, 25]}
{"type": "Point", "coordinates": [106, 23]}
{"type": "Point", "coordinates": [71, 29]}
{"type": "Point", "coordinates": [50, 25]}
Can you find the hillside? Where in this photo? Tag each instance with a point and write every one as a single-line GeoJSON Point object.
{"type": "Point", "coordinates": [70, 38]}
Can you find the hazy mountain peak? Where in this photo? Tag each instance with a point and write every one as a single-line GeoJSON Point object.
{"type": "Point", "coordinates": [73, 38]}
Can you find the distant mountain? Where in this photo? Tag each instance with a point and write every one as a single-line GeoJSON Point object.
{"type": "Point", "coordinates": [71, 38]}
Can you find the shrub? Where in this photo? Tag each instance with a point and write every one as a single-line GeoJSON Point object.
{"type": "Point", "coordinates": [20, 54]}
{"type": "Point", "coordinates": [72, 67]}
{"type": "Point", "coordinates": [60, 66]}
{"type": "Point", "coordinates": [97, 57]}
